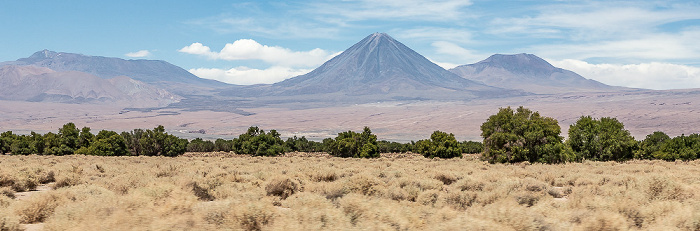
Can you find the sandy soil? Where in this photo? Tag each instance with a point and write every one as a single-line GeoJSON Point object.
{"type": "Point", "coordinates": [674, 112]}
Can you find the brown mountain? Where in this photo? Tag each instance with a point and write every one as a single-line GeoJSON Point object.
{"type": "Point", "coordinates": [40, 84]}
{"type": "Point", "coordinates": [529, 73]}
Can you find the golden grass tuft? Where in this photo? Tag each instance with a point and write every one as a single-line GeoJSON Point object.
{"type": "Point", "coordinates": [305, 192]}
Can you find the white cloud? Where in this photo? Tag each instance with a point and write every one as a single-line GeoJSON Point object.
{"type": "Point", "coordinates": [248, 49]}
{"type": "Point", "coordinates": [591, 20]}
{"type": "Point", "coordinates": [138, 54]}
{"type": "Point", "coordinates": [456, 53]}
{"type": "Point", "coordinates": [656, 47]}
{"type": "Point", "coordinates": [654, 75]}
{"type": "Point", "coordinates": [198, 49]}
{"type": "Point", "coordinates": [248, 76]}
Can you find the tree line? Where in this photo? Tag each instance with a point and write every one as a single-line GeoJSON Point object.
{"type": "Point", "coordinates": [509, 136]}
{"type": "Point", "coordinates": [255, 141]}
{"type": "Point", "coordinates": [520, 135]}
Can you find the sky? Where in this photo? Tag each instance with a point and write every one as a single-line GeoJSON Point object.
{"type": "Point", "coordinates": [644, 44]}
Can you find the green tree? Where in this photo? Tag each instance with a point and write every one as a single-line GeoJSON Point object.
{"type": "Point", "coordinates": [440, 145]}
{"type": "Point", "coordinates": [393, 147]}
{"type": "Point", "coordinates": [679, 148]}
{"type": "Point", "coordinates": [199, 145]}
{"type": "Point", "coordinates": [471, 147]}
{"type": "Point", "coordinates": [154, 142]}
{"type": "Point", "coordinates": [602, 140]}
{"type": "Point", "coordinates": [85, 137]}
{"type": "Point", "coordinates": [105, 143]}
{"type": "Point", "coordinates": [353, 144]}
{"type": "Point", "coordinates": [522, 135]}
{"type": "Point", "coordinates": [256, 142]}
{"type": "Point", "coordinates": [650, 145]}
{"type": "Point", "coordinates": [21, 146]}
{"type": "Point", "coordinates": [221, 145]}
{"type": "Point", "coordinates": [69, 136]}
{"type": "Point", "coordinates": [6, 139]}
{"type": "Point", "coordinates": [52, 144]}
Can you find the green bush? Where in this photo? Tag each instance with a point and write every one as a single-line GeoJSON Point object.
{"type": "Point", "coordinates": [522, 135]}
{"type": "Point", "coordinates": [603, 140]}
{"type": "Point", "coordinates": [393, 147]}
{"type": "Point", "coordinates": [471, 147]}
{"type": "Point", "coordinates": [440, 145]}
{"type": "Point", "coordinates": [258, 143]}
{"type": "Point", "coordinates": [199, 145]}
{"type": "Point", "coordinates": [352, 144]}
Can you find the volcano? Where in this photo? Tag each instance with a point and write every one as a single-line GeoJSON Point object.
{"type": "Point", "coordinates": [377, 67]}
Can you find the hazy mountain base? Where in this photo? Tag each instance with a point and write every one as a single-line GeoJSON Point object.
{"type": "Point", "coordinates": [643, 112]}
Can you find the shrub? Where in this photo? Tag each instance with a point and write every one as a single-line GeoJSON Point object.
{"type": "Point", "coordinates": [446, 178]}
{"type": "Point", "coordinates": [282, 187]}
{"type": "Point", "coordinates": [37, 208]}
{"type": "Point", "coordinates": [522, 135]}
{"type": "Point", "coordinates": [603, 140]}
{"type": "Point", "coordinates": [471, 147]}
{"type": "Point", "coordinates": [199, 145]}
{"type": "Point", "coordinates": [352, 144]}
{"type": "Point", "coordinates": [258, 143]}
{"type": "Point", "coordinates": [440, 145]}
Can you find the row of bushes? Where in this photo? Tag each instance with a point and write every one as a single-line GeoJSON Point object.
{"type": "Point", "coordinates": [71, 140]}
{"type": "Point", "coordinates": [510, 136]}
{"type": "Point", "coordinates": [523, 135]}
{"type": "Point", "coordinates": [255, 141]}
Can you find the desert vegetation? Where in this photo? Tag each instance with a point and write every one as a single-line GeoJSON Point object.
{"type": "Point", "coordinates": [319, 192]}
{"type": "Point", "coordinates": [510, 136]}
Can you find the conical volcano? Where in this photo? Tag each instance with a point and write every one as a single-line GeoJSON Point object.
{"type": "Point", "coordinates": [380, 67]}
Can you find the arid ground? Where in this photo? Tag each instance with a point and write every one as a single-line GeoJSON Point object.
{"type": "Point", "coordinates": [673, 112]}
{"type": "Point", "coordinates": [221, 191]}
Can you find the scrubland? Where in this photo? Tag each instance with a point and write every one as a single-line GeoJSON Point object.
{"type": "Point", "coordinates": [318, 192]}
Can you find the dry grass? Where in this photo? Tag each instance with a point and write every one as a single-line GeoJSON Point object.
{"type": "Point", "coordinates": [322, 193]}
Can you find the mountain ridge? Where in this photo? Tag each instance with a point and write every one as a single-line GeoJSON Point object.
{"type": "Point", "coordinates": [156, 72]}
{"type": "Point", "coordinates": [529, 73]}
{"type": "Point", "coordinates": [377, 67]}
{"type": "Point", "coordinates": [40, 84]}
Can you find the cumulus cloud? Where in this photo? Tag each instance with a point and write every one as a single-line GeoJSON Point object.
{"type": "Point", "coordinates": [248, 49]}
{"type": "Point", "coordinates": [248, 76]}
{"type": "Point", "coordinates": [138, 54]}
{"type": "Point", "coordinates": [654, 75]}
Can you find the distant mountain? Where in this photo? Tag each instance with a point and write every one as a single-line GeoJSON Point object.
{"type": "Point", "coordinates": [156, 72]}
{"type": "Point", "coordinates": [40, 84]}
{"type": "Point", "coordinates": [529, 73]}
{"type": "Point", "coordinates": [378, 67]}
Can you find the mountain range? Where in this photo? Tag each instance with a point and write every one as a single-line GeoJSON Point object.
{"type": "Point", "coordinates": [155, 72]}
{"type": "Point", "coordinates": [377, 68]}
{"type": "Point", "coordinates": [40, 84]}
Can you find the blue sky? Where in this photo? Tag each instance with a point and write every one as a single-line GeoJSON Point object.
{"type": "Point", "coordinates": [649, 44]}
